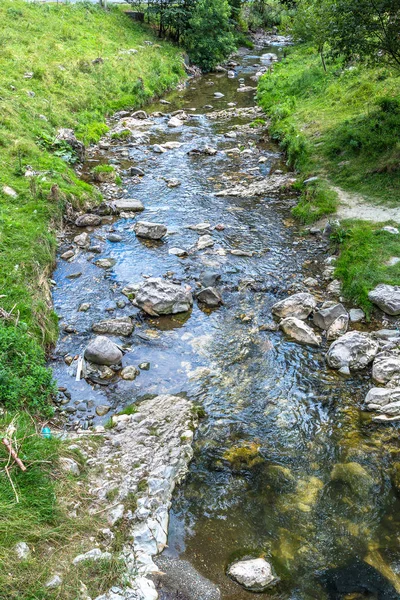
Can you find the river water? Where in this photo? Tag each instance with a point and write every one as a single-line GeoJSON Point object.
{"type": "Point", "coordinates": [264, 480]}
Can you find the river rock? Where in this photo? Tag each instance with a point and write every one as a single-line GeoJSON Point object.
{"type": "Point", "coordinates": [387, 297]}
{"type": "Point", "coordinates": [385, 367]}
{"type": "Point", "coordinates": [324, 317]}
{"type": "Point", "coordinates": [253, 574]}
{"type": "Point", "coordinates": [67, 255]}
{"type": "Point", "coordinates": [299, 331]}
{"type": "Point", "coordinates": [159, 297]}
{"type": "Point", "coordinates": [356, 315]}
{"type": "Point", "coordinates": [22, 550]}
{"type": "Point", "coordinates": [299, 306]}
{"type": "Point", "coordinates": [205, 241]}
{"type": "Point", "coordinates": [209, 278]}
{"type": "Point", "coordinates": [128, 205]}
{"type": "Point", "coordinates": [114, 238]}
{"type": "Point", "coordinates": [209, 296]}
{"type": "Point", "coordinates": [136, 172]}
{"type": "Point", "coordinates": [175, 122]}
{"type": "Point", "coordinates": [353, 351]}
{"type": "Point", "coordinates": [180, 252]}
{"type": "Point", "coordinates": [129, 373]}
{"type": "Point", "coordinates": [88, 220]}
{"type": "Point", "coordinates": [102, 351]}
{"type": "Point", "coordinates": [149, 231]}
{"type": "Point", "coordinates": [338, 327]}
{"type": "Point", "coordinates": [105, 263]}
{"type": "Point", "coordinates": [68, 135]}
{"type": "Point", "coordinates": [82, 240]}
{"type": "Point", "coordinates": [102, 409]}
{"type": "Point", "coordinates": [384, 400]}
{"type": "Point", "coordinates": [120, 326]}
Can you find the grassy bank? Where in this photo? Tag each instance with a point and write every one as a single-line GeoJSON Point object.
{"type": "Point", "coordinates": [341, 126]}
{"type": "Point", "coordinates": [50, 78]}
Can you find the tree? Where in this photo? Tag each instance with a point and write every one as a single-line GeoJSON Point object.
{"type": "Point", "coordinates": [312, 24]}
{"type": "Point", "coordinates": [209, 38]}
{"type": "Point", "coordinates": [368, 29]}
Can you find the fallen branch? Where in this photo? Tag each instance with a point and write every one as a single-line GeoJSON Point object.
{"type": "Point", "coordinates": [12, 453]}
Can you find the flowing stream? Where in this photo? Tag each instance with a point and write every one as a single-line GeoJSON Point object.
{"type": "Point", "coordinates": [278, 422]}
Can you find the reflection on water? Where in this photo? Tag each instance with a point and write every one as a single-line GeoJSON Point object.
{"type": "Point", "coordinates": [286, 464]}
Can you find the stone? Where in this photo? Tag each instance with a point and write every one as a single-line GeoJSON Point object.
{"type": "Point", "coordinates": [54, 582]}
{"type": "Point", "coordinates": [120, 326]}
{"type": "Point", "coordinates": [171, 145]}
{"type": "Point", "coordinates": [253, 574]}
{"type": "Point", "coordinates": [68, 135]}
{"type": "Point", "coordinates": [115, 514]}
{"type": "Point", "coordinates": [114, 237]}
{"type": "Point", "coordinates": [299, 306]}
{"type": "Point", "coordinates": [105, 263]}
{"type": "Point", "coordinates": [354, 476]}
{"type": "Point", "coordinates": [385, 367]}
{"type": "Point", "coordinates": [129, 373]}
{"type": "Point", "coordinates": [158, 149]}
{"type": "Point", "coordinates": [387, 334]}
{"type": "Point", "coordinates": [356, 315]}
{"type": "Point", "coordinates": [175, 122]}
{"type": "Point", "coordinates": [159, 297]}
{"type": "Point", "coordinates": [209, 296]}
{"type": "Point", "coordinates": [22, 550]}
{"type": "Point", "coordinates": [144, 366]}
{"type": "Point", "coordinates": [384, 400]}
{"type": "Point", "coordinates": [324, 317]}
{"type": "Point", "coordinates": [390, 229]}
{"type": "Point", "coordinates": [131, 290]}
{"type": "Point", "coordinates": [95, 554]}
{"type": "Point", "coordinates": [9, 191]}
{"type": "Point", "coordinates": [393, 260]}
{"type": "Point", "coordinates": [218, 95]}
{"type": "Point", "coordinates": [102, 409]}
{"type": "Point", "coordinates": [128, 205]}
{"type": "Point", "coordinates": [205, 241]}
{"type": "Point", "coordinates": [178, 252]}
{"type": "Point", "coordinates": [68, 254]}
{"type": "Point", "coordinates": [299, 331]}
{"type": "Point", "coordinates": [352, 351]}
{"type": "Point", "coordinates": [68, 465]}
{"type": "Point", "coordinates": [82, 240]}
{"type": "Point", "coordinates": [84, 307]}
{"type": "Point", "coordinates": [150, 231]}
{"type": "Point", "coordinates": [310, 282]}
{"type": "Point", "coordinates": [200, 227]}
{"type": "Point", "coordinates": [102, 351]}
{"type": "Point", "coordinates": [387, 297]}
{"type": "Point", "coordinates": [209, 279]}
{"type": "Point", "coordinates": [74, 275]}
{"type": "Point", "coordinates": [338, 327]}
{"type": "Point", "coordinates": [136, 171]}
{"type": "Point", "coordinates": [335, 287]}
{"type": "Point", "coordinates": [172, 183]}
{"type": "Point", "coordinates": [237, 252]}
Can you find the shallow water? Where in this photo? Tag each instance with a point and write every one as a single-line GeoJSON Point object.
{"type": "Point", "coordinates": [294, 418]}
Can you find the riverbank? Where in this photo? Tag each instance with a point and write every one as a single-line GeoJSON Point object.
{"type": "Point", "coordinates": [61, 67]}
{"type": "Point", "coordinates": [340, 127]}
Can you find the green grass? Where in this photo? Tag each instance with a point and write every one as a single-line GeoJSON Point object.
{"type": "Point", "coordinates": [364, 251]}
{"type": "Point", "coordinates": [48, 80]}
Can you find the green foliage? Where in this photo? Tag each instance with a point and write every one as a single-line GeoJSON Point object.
{"type": "Point", "coordinates": [24, 380]}
{"type": "Point", "coordinates": [59, 148]}
{"type": "Point", "coordinates": [209, 39]}
{"type": "Point", "coordinates": [267, 13]}
{"type": "Point", "coordinates": [316, 201]}
{"type": "Point", "coordinates": [364, 251]}
{"type": "Point", "coordinates": [103, 169]}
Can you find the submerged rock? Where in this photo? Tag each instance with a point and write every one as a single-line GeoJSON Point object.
{"type": "Point", "coordinates": [353, 351]}
{"type": "Point", "coordinates": [130, 373]}
{"type": "Point", "coordinates": [354, 476]}
{"type": "Point", "coordinates": [387, 297]}
{"type": "Point", "coordinates": [299, 306]}
{"type": "Point", "coordinates": [102, 351]}
{"type": "Point", "coordinates": [120, 326]}
{"type": "Point", "coordinates": [299, 331]}
{"type": "Point", "coordinates": [150, 231]}
{"type": "Point", "coordinates": [159, 297]}
{"type": "Point", "coordinates": [254, 574]}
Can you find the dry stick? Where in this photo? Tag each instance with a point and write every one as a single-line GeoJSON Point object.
{"type": "Point", "coordinates": [12, 485]}
{"type": "Point", "coordinates": [12, 453]}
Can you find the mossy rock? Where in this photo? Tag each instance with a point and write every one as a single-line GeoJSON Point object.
{"type": "Point", "coordinates": [243, 456]}
{"type": "Point", "coordinates": [307, 493]}
{"type": "Point", "coordinates": [280, 479]}
{"type": "Point", "coordinates": [353, 475]}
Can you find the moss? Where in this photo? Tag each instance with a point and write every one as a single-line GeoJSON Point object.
{"type": "Point", "coordinates": [243, 456]}
{"type": "Point", "coordinates": [280, 479]}
{"type": "Point", "coordinates": [354, 476]}
{"type": "Point", "coordinates": [307, 493]}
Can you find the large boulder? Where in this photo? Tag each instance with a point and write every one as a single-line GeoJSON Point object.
{"type": "Point", "coordinates": [159, 297]}
{"type": "Point", "coordinates": [299, 306]}
{"type": "Point", "coordinates": [352, 351]}
{"type": "Point", "coordinates": [324, 317]}
{"type": "Point", "coordinates": [253, 574]}
{"type": "Point", "coordinates": [385, 367]}
{"type": "Point", "coordinates": [119, 326]}
{"type": "Point", "coordinates": [384, 400]}
{"type": "Point", "coordinates": [387, 297]}
{"type": "Point", "coordinates": [102, 351]}
{"type": "Point", "coordinates": [150, 231]}
{"type": "Point", "coordinates": [299, 331]}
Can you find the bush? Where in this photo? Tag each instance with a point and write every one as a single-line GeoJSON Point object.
{"type": "Point", "coordinates": [25, 382]}
{"type": "Point", "coordinates": [209, 28]}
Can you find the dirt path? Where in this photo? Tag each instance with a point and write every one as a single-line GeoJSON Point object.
{"type": "Point", "coordinates": [354, 206]}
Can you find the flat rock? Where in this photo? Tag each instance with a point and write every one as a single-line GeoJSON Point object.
{"type": "Point", "coordinates": [352, 351]}
{"type": "Point", "coordinates": [299, 331]}
{"type": "Point", "coordinates": [253, 574]}
{"type": "Point", "coordinates": [159, 297]}
{"type": "Point", "coordinates": [174, 122]}
{"type": "Point", "coordinates": [299, 306]}
{"type": "Point", "coordinates": [105, 263]}
{"type": "Point", "coordinates": [102, 351]}
{"type": "Point", "coordinates": [150, 231]}
{"type": "Point", "coordinates": [120, 326]}
{"type": "Point", "coordinates": [128, 205]}
{"type": "Point", "coordinates": [387, 297]}
{"type": "Point", "coordinates": [178, 252]}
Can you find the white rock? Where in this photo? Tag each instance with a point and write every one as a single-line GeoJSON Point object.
{"type": "Point", "coordinates": [299, 306]}
{"type": "Point", "coordinates": [299, 331]}
{"type": "Point", "coordinates": [352, 351]}
{"type": "Point", "coordinates": [384, 400]}
{"type": "Point", "coordinates": [385, 367]}
{"type": "Point", "coordinates": [128, 205]}
{"type": "Point", "coordinates": [68, 465]}
{"type": "Point", "coordinates": [159, 297]}
{"type": "Point", "coordinates": [9, 191]}
{"type": "Point", "coordinates": [390, 229]}
{"type": "Point", "coordinates": [115, 514]}
{"type": "Point", "coordinates": [22, 550]}
{"type": "Point", "coordinates": [338, 327]}
{"type": "Point", "coordinates": [253, 574]}
{"type": "Point", "coordinates": [95, 554]}
{"type": "Point", "coordinates": [53, 582]}
{"type": "Point", "coordinates": [387, 297]}
{"type": "Point", "coordinates": [356, 315]}
{"type": "Point", "coordinates": [178, 252]}
{"type": "Point", "coordinates": [175, 122]}
{"type": "Point", "coordinates": [205, 241]}
{"type": "Point", "coordinates": [324, 317]}
{"type": "Point", "coordinates": [150, 231]}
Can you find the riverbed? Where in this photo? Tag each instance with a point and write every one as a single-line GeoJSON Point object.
{"type": "Point", "coordinates": [276, 419]}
